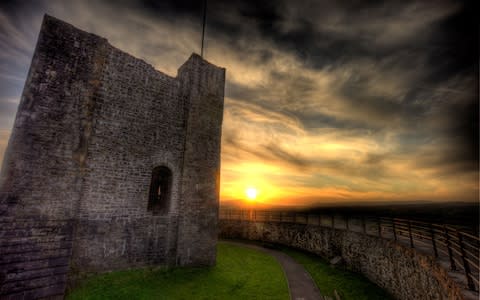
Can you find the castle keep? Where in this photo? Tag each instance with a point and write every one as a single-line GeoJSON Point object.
{"type": "Point", "coordinates": [111, 164]}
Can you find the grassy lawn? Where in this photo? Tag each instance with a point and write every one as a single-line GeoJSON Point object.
{"type": "Point", "coordinates": [240, 273]}
{"type": "Point", "coordinates": [349, 285]}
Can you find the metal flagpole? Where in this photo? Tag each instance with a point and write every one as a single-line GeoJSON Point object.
{"type": "Point", "coordinates": [203, 27]}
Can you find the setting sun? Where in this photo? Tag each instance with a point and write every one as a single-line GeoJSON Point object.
{"type": "Point", "coordinates": [251, 193]}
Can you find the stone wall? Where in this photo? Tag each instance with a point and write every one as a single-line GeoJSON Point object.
{"type": "Point", "coordinates": [403, 272]}
{"type": "Point", "coordinates": [92, 125]}
{"type": "Point", "coordinates": [198, 232]}
{"type": "Point", "coordinates": [34, 258]}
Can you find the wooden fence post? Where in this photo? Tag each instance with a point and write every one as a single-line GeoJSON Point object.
{"type": "Point", "coordinates": [434, 244]}
{"type": "Point", "coordinates": [449, 248]}
{"type": "Point", "coordinates": [394, 230]}
{"type": "Point", "coordinates": [410, 233]}
{"type": "Point", "coordinates": [379, 223]}
{"type": "Point", "coordinates": [466, 266]}
{"type": "Point", "coordinates": [364, 226]}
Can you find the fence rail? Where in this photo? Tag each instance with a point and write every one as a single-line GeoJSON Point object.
{"type": "Point", "coordinates": [453, 247]}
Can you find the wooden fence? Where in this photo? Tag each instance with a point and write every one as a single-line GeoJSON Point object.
{"type": "Point", "coordinates": [454, 247]}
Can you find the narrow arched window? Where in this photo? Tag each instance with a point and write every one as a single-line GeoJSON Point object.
{"type": "Point", "coordinates": [160, 190]}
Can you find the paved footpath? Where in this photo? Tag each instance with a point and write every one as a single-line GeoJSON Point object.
{"type": "Point", "coordinates": [300, 284]}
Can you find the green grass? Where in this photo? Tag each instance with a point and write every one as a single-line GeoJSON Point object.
{"type": "Point", "coordinates": [240, 273]}
{"type": "Point", "coordinates": [349, 285]}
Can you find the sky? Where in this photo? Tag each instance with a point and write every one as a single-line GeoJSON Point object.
{"type": "Point", "coordinates": [325, 101]}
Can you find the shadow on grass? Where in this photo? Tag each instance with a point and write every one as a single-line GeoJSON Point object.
{"type": "Point", "coordinates": [240, 273]}
{"type": "Point", "coordinates": [348, 284]}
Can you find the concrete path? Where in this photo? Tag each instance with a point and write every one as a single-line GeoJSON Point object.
{"type": "Point", "coordinates": [300, 284]}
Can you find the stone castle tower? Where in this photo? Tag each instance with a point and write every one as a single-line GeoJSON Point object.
{"type": "Point", "coordinates": [111, 164]}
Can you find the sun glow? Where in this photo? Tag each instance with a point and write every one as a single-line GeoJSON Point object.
{"type": "Point", "coordinates": [251, 193]}
{"type": "Point", "coordinates": [261, 177]}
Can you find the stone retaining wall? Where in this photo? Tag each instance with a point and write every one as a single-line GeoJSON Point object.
{"type": "Point", "coordinates": [403, 272]}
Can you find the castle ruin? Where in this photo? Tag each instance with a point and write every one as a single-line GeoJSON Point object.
{"type": "Point", "coordinates": [111, 164]}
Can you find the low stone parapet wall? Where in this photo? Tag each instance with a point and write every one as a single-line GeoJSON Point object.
{"type": "Point", "coordinates": [403, 272]}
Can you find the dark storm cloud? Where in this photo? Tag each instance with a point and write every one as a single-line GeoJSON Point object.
{"type": "Point", "coordinates": [322, 32]}
{"type": "Point", "coordinates": [422, 64]}
{"type": "Point", "coordinates": [384, 84]}
{"type": "Point", "coordinates": [446, 39]}
{"type": "Point", "coordinates": [454, 46]}
{"type": "Point", "coordinates": [449, 161]}
{"type": "Point", "coordinates": [375, 159]}
{"type": "Point", "coordinates": [241, 92]}
{"type": "Point", "coordinates": [299, 88]}
{"type": "Point", "coordinates": [284, 155]}
{"type": "Point", "coordinates": [314, 120]}
{"type": "Point", "coordinates": [270, 152]}
{"type": "Point", "coordinates": [370, 105]}
{"type": "Point", "coordinates": [461, 132]}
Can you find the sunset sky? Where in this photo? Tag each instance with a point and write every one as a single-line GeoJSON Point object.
{"type": "Point", "coordinates": [324, 103]}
